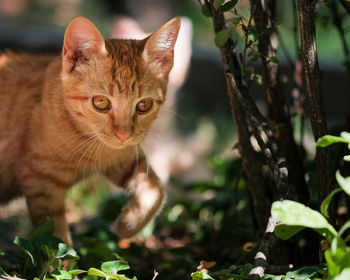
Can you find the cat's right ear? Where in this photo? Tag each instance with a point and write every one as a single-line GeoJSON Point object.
{"type": "Point", "coordinates": [82, 41]}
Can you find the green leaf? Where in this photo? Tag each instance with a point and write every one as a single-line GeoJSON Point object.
{"type": "Point", "coordinates": [259, 79]}
{"type": "Point", "coordinates": [244, 271]}
{"type": "Point", "coordinates": [327, 140]}
{"type": "Point", "coordinates": [96, 272]}
{"type": "Point", "coordinates": [75, 272]}
{"type": "Point", "coordinates": [218, 3]}
{"type": "Point", "coordinates": [344, 274]}
{"type": "Point", "coordinates": [27, 247]}
{"type": "Point", "coordinates": [201, 276]}
{"type": "Point", "coordinates": [205, 11]}
{"type": "Point", "coordinates": [274, 59]}
{"type": "Point", "coordinates": [344, 183]}
{"type": "Point", "coordinates": [285, 232]}
{"type": "Point", "coordinates": [229, 5]}
{"type": "Point", "coordinates": [346, 158]}
{"type": "Point", "coordinates": [222, 36]}
{"type": "Point", "coordinates": [46, 227]}
{"type": "Point", "coordinates": [304, 273]}
{"type": "Point", "coordinates": [296, 214]}
{"type": "Point", "coordinates": [252, 33]}
{"type": "Point", "coordinates": [325, 204]}
{"type": "Point", "coordinates": [61, 274]}
{"type": "Point", "coordinates": [64, 251]}
{"type": "Point", "coordinates": [114, 266]}
{"type": "Point", "coordinates": [345, 135]}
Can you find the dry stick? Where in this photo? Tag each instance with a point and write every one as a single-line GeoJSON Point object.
{"type": "Point", "coordinates": [267, 46]}
{"type": "Point", "coordinates": [251, 164]}
{"type": "Point", "coordinates": [306, 9]}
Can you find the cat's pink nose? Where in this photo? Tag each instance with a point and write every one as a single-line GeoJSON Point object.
{"type": "Point", "coordinates": [123, 136]}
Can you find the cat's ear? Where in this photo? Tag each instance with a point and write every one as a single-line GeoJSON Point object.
{"type": "Point", "coordinates": [82, 41]}
{"type": "Point", "coordinates": [159, 48]}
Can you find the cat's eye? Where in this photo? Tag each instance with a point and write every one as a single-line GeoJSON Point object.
{"type": "Point", "coordinates": [144, 105]}
{"type": "Point", "coordinates": [101, 103]}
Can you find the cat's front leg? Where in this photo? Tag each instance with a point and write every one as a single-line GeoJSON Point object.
{"type": "Point", "coordinates": [45, 197]}
{"type": "Point", "coordinates": [146, 191]}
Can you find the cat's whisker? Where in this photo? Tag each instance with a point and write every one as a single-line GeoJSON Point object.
{"type": "Point", "coordinates": [83, 155]}
{"type": "Point", "coordinates": [95, 143]}
{"type": "Point", "coordinates": [173, 112]}
{"type": "Point", "coordinates": [74, 151]}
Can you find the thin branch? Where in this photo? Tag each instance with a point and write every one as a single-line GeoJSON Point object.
{"type": "Point", "coordinates": [312, 73]}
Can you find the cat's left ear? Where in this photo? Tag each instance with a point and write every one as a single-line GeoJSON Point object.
{"type": "Point", "coordinates": [159, 48]}
{"type": "Point", "coordinates": [82, 41]}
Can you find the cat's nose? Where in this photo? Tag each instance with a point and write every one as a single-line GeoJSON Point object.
{"type": "Point", "coordinates": [123, 135]}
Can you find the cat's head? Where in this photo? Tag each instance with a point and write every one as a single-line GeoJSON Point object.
{"type": "Point", "coordinates": [114, 88]}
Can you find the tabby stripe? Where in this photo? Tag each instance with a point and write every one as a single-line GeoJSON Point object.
{"type": "Point", "coordinates": [82, 98]}
{"type": "Point", "coordinates": [74, 126]}
{"type": "Point", "coordinates": [36, 174]}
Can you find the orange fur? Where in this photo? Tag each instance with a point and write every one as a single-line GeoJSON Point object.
{"type": "Point", "coordinates": [52, 136]}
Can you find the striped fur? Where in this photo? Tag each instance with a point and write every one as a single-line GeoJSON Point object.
{"type": "Point", "coordinates": [52, 137]}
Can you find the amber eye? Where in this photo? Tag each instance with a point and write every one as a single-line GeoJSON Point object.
{"type": "Point", "coordinates": [101, 103]}
{"type": "Point", "coordinates": [144, 105]}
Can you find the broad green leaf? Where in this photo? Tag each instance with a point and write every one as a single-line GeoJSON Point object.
{"type": "Point", "coordinates": [252, 33]}
{"type": "Point", "coordinates": [304, 273]}
{"type": "Point", "coordinates": [43, 241]}
{"type": "Point", "coordinates": [345, 135]}
{"type": "Point", "coordinates": [218, 3]}
{"type": "Point", "coordinates": [229, 5]}
{"type": "Point", "coordinates": [244, 271]}
{"type": "Point", "coordinates": [325, 204]}
{"type": "Point", "coordinates": [285, 232]}
{"type": "Point", "coordinates": [337, 260]}
{"type": "Point", "coordinates": [114, 266]}
{"type": "Point", "coordinates": [327, 140]}
{"type": "Point", "coordinates": [201, 276]}
{"type": "Point", "coordinates": [96, 272]}
{"type": "Point", "coordinates": [61, 274]}
{"type": "Point", "coordinates": [346, 158]}
{"type": "Point", "coordinates": [76, 272]}
{"type": "Point", "coordinates": [273, 277]}
{"type": "Point", "coordinates": [46, 227]}
{"type": "Point", "coordinates": [222, 36]}
{"type": "Point", "coordinates": [296, 214]}
{"type": "Point", "coordinates": [205, 11]}
{"type": "Point", "coordinates": [27, 247]}
{"type": "Point", "coordinates": [117, 276]}
{"type": "Point", "coordinates": [64, 251]}
{"type": "Point", "coordinates": [344, 183]}
{"type": "Point", "coordinates": [344, 274]}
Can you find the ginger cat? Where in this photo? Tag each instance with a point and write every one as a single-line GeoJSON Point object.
{"type": "Point", "coordinates": [66, 118]}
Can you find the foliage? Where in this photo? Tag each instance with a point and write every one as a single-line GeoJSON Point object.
{"type": "Point", "coordinates": [294, 216]}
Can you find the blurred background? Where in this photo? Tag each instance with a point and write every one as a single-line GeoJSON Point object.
{"type": "Point", "coordinates": [208, 213]}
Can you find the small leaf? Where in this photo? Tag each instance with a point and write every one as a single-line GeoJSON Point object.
{"type": "Point", "coordinates": [253, 34]}
{"type": "Point", "coordinates": [236, 20]}
{"type": "Point", "coordinates": [27, 247]}
{"type": "Point", "coordinates": [244, 271]}
{"type": "Point", "coordinates": [296, 214]}
{"type": "Point", "coordinates": [61, 274]}
{"type": "Point", "coordinates": [46, 227]}
{"type": "Point", "coordinates": [274, 59]}
{"type": "Point", "coordinates": [205, 11]}
{"type": "Point", "coordinates": [345, 135]}
{"type": "Point", "coordinates": [329, 140]}
{"type": "Point", "coordinates": [64, 251]}
{"type": "Point", "coordinates": [222, 36]}
{"type": "Point", "coordinates": [201, 276]}
{"type": "Point", "coordinates": [259, 79]}
{"type": "Point", "coordinates": [344, 183]}
{"type": "Point", "coordinates": [75, 272]}
{"type": "Point", "coordinates": [346, 158]}
{"type": "Point", "coordinates": [285, 232]}
{"type": "Point", "coordinates": [114, 266]}
{"type": "Point", "coordinates": [96, 272]}
{"type": "Point", "coordinates": [229, 5]}
{"type": "Point", "coordinates": [325, 204]}
{"type": "Point", "coordinates": [218, 3]}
